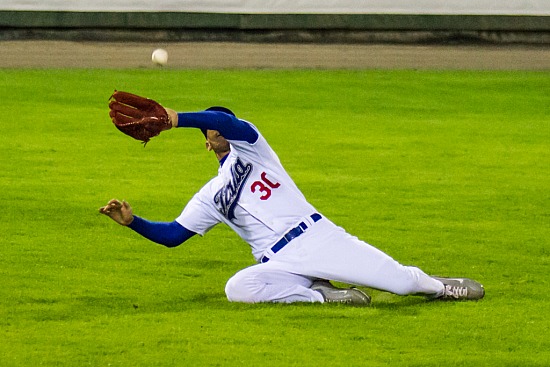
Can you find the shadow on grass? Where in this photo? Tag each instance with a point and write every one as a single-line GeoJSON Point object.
{"type": "Point", "coordinates": [85, 307]}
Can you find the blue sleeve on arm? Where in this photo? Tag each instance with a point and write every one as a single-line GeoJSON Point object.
{"type": "Point", "coordinates": [169, 234]}
{"type": "Point", "coordinates": [228, 125]}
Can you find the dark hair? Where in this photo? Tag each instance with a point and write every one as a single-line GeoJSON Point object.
{"type": "Point", "coordinates": [218, 109]}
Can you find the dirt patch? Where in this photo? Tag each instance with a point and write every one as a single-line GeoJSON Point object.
{"type": "Point", "coordinates": [215, 55]}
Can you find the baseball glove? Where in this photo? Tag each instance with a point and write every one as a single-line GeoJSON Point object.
{"type": "Point", "coordinates": [139, 117]}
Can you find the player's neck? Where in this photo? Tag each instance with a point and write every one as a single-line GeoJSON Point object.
{"type": "Point", "coordinates": [222, 157]}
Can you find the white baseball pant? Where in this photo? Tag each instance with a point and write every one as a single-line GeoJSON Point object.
{"type": "Point", "coordinates": [326, 251]}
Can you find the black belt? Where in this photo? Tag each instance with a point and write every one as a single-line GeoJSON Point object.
{"type": "Point", "coordinates": [290, 235]}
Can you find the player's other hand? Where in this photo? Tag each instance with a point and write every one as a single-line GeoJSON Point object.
{"type": "Point", "coordinates": [120, 212]}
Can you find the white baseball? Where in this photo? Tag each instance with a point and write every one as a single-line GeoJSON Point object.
{"type": "Point", "coordinates": [160, 56]}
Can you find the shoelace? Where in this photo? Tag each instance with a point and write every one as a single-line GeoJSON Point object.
{"type": "Point", "coordinates": [455, 292]}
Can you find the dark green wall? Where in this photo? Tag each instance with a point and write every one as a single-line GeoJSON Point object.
{"type": "Point", "coordinates": [181, 21]}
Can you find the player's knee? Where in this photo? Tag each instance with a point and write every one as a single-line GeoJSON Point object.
{"type": "Point", "coordinates": [239, 289]}
{"type": "Point", "coordinates": [232, 290]}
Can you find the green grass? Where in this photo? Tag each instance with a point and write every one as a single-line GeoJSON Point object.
{"type": "Point", "coordinates": [448, 171]}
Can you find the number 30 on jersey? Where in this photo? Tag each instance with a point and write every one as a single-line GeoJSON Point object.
{"type": "Point", "coordinates": [264, 186]}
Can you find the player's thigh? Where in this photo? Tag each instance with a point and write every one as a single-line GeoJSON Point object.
{"type": "Point", "coordinates": [335, 254]}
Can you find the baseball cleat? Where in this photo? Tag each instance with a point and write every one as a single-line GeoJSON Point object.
{"type": "Point", "coordinates": [461, 289]}
{"type": "Point", "coordinates": [331, 294]}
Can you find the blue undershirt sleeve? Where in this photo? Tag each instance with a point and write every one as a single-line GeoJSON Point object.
{"type": "Point", "coordinates": [229, 126]}
{"type": "Point", "coordinates": [169, 234]}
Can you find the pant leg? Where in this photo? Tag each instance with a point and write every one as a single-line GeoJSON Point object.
{"type": "Point", "coordinates": [328, 252]}
{"type": "Point", "coordinates": [269, 282]}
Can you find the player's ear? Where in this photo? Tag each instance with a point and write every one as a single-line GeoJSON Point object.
{"type": "Point", "coordinates": [208, 146]}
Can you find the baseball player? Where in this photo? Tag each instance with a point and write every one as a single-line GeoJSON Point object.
{"type": "Point", "coordinates": [297, 249]}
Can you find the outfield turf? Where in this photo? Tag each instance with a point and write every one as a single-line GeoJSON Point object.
{"type": "Point", "coordinates": [448, 171]}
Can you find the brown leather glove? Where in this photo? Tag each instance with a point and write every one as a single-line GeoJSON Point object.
{"type": "Point", "coordinates": [139, 117]}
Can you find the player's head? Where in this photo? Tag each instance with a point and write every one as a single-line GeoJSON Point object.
{"type": "Point", "coordinates": [214, 140]}
{"type": "Point", "coordinates": [217, 143]}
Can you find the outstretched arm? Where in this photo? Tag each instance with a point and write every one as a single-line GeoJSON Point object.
{"type": "Point", "coordinates": [229, 126]}
{"type": "Point", "coordinates": [169, 234]}
{"type": "Point", "coordinates": [143, 118]}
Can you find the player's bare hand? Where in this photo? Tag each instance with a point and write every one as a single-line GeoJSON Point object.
{"type": "Point", "coordinates": [120, 212]}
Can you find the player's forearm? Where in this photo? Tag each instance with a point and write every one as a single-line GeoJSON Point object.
{"type": "Point", "coordinates": [169, 234]}
{"type": "Point", "coordinates": [229, 126]}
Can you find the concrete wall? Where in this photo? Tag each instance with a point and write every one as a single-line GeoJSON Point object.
{"type": "Point", "coordinates": [352, 21]}
{"type": "Point", "coordinates": [455, 7]}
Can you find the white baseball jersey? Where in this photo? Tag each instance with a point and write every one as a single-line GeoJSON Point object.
{"type": "Point", "coordinates": [252, 194]}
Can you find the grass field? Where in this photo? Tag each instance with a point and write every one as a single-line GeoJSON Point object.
{"type": "Point", "coordinates": [448, 171]}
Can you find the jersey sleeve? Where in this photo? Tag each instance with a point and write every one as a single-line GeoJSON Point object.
{"type": "Point", "coordinates": [229, 126]}
{"type": "Point", "coordinates": [198, 215]}
{"type": "Point", "coordinates": [169, 234]}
